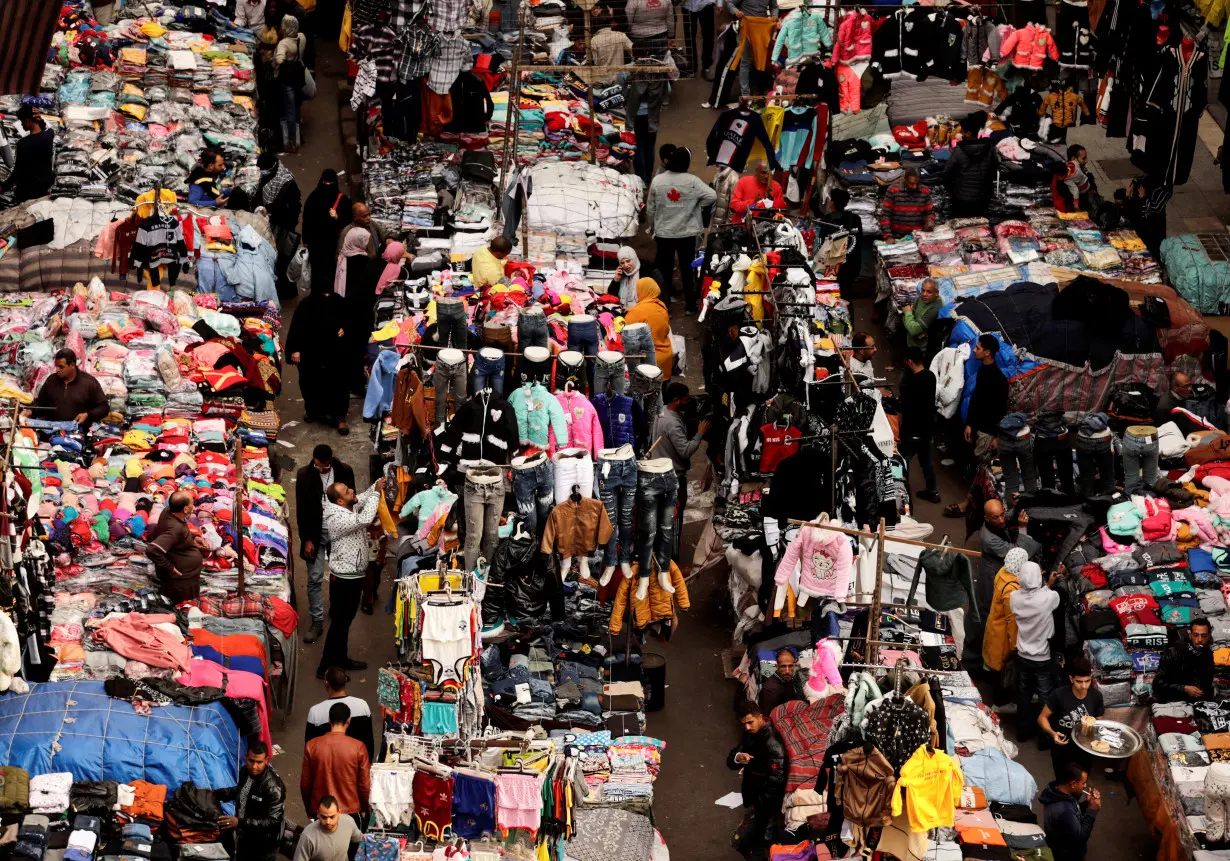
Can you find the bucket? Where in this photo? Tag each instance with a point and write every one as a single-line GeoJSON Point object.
{"type": "Point", "coordinates": [654, 667]}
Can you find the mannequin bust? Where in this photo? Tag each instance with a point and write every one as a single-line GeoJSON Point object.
{"type": "Point", "coordinates": [491, 353]}
{"type": "Point", "coordinates": [624, 452]}
{"type": "Point", "coordinates": [652, 372]}
{"type": "Point", "coordinates": [609, 356]}
{"type": "Point", "coordinates": [450, 356]}
{"type": "Point", "coordinates": [571, 357]}
{"type": "Point", "coordinates": [536, 354]}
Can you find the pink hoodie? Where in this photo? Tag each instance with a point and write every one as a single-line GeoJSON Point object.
{"type": "Point", "coordinates": [827, 562]}
{"type": "Point", "coordinates": [584, 431]}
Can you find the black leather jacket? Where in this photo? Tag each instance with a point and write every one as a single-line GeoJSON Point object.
{"type": "Point", "coordinates": [260, 824]}
{"type": "Point", "coordinates": [764, 778]}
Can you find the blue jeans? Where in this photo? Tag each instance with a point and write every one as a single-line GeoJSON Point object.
{"type": "Point", "coordinates": [489, 373]}
{"type": "Point", "coordinates": [617, 490]}
{"type": "Point", "coordinates": [614, 373]}
{"type": "Point", "coordinates": [1139, 462]}
{"type": "Point", "coordinates": [532, 331]}
{"type": "Point", "coordinates": [290, 117]}
{"type": "Point", "coordinates": [1097, 466]}
{"type": "Point", "coordinates": [656, 494]}
{"type": "Point", "coordinates": [451, 325]}
{"type": "Point", "coordinates": [638, 341]}
{"type": "Point", "coordinates": [583, 337]}
{"type": "Point", "coordinates": [647, 394]}
{"type": "Point", "coordinates": [534, 488]}
{"type": "Point", "coordinates": [316, 586]}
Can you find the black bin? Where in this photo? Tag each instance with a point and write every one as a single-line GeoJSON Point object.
{"type": "Point", "coordinates": [655, 681]}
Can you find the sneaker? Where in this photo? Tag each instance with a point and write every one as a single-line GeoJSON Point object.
{"type": "Point", "coordinates": [352, 664]}
{"type": "Point", "coordinates": [929, 495]}
{"type": "Point", "coordinates": [706, 105]}
{"type": "Point", "coordinates": [493, 630]}
{"type": "Point", "coordinates": [314, 632]}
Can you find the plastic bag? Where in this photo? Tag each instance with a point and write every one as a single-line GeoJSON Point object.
{"type": "Point", "coordinates": [309, 85]}
{"type": "Point", "coordinates": [299, 270]}
{"type": "Point", "coordinates": [679, 346]}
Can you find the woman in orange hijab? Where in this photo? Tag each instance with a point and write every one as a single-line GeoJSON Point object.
{"type": "Point", "coordinates": [651, 310]}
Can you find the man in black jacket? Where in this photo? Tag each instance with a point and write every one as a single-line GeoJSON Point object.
{"type": "Point", "coordinates": [259, 796]}
{"type": "Point", "coordinates": [988, 403]}
{"type": "Point", "coordinates": [1069, 812]}
{"type": "Point", "coordinates": [971, 169]}
{"type": "Point", "coordinates": [761, 758]}
{"type": "Point", "coordinates": [918, 418]}
{"type": "Point", "coordinates": [310, 485]}
{"type": "Point", "coordinates": [1185, 672]}
{"type": "Point", "coordinates": [33, 173]}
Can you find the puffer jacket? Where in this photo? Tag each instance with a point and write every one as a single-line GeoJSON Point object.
{"type": "Point", "coordinates": [1029, 47]}
{"type": "Point", "coordinates": [999, 637]}
{"type": "Point", "coordinates": [518, 578]}
{"type": "Point", "coordinates": [971, 170]}
{"type": "Point", "coordinates": [853, 39]}
{"type": "Point", "coordinates": [584, 430]}
{"type": "Point", "coordinates": [802, 32]}
{"type": "Point", "coordinates": [904, 45]}
{"type": "Point", "coordinates": [620, 420]}
{"type": "Point", "coordinates": [484, 428]}
{"type": "Point", "coordinates": [976, 40]}
{"type": "Point", "coordinates": [1079, 50]}
{"type": "Point", "coordinates": [538, 414]}
{"type": "Point", "coordinates": [949, 369]}
{"type": "Point", "coordinates": [849, 90]}
{"type": "Point", "coordinates": [983, 87]}
{"type": "Point", "coordinates": [657, 606]}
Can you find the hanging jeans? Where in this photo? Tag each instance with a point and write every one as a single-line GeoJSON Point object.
{"type": "Point", "coordinates": [483, 503]}
{"type": "Point", "coordinates": [647, 394]}
{"type": "Point", "coordinates": [573, 468]}
{"type": "Point", "coordinates": [617, 490]}
{"type": "Point", "coordinates": [1016, 456]}
{"type": "Point", "coordinates": [534, 487]}
{"type": "Point", "coordinates": [344, 596]}
{"type": "Point", "coordinates": [1139, 461]}
{"type": "Point", "coordinates": [683, 249]}
{"type": "Point", "coordinates": [451, 325]}
{"type": "Point", "coordinates": [489, 373]}
{"type": "Point", "coordinates": [532, 330]}
{"type": "Point", "coordinates": [1032, 677]}
{"type": "Point", "coordinates": [656, 495]}
{"type": "Point", "coordinates": [449, 379]}
{"type": "Point", "coordinates": [1053, 457]}
{"type": "Point", "coordinates": [613, 373]}
{"type": "Point", "coordinates": [1097, 465]}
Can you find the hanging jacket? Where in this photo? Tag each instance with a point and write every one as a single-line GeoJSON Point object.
{"type": "Point", "coordinates": [484, 428]}
{"type": "Point", "coordinates": [621, 421]}
{"type": "Point", "coordinates": [854, 36]}
{"type": "Point", "coordinates": [1173, 94]}
{"type": "Point", "coordinates": [1079, 49]}
{"type": "Point", "coordinates": [518, 568]}
{"type": "Point", "coordinates": [536, 410]}
{"type": "Point", "coordinates": [826, 560]}
{"type": "Point", "coordinates": [658, 605]}
{"type": "Point", "coordinates": [865, 786]}
{"type": "Point", "coordinates": [950, 584]}
{"type": "Point", "coordinates": [380, 387]}
{"type": "Point", "coordinates": [802, 32]}
{"type": "Point", "coordinates": [472, 105]}
{"type": "Point", "coordinates": [1065, 109]}
{"type": "Point", "coordinates": [949, 369]}
{"type": "Point", "coordinates": [983, 87]}
{"type": "Point", "coordinates": [904, 45]}
{"type": "Point", "coordinates": [976, 40]}
{"type": "Point", "coordinates": [948, 60]}
{"type": "Point", "coordinates": [1029, 47]}
{"type": "Point", "coordinates": [584, 429]}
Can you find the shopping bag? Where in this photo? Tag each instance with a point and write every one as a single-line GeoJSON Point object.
{"type": "Point", "coordinates": [300, 269]}
{"type": "Point", "coordinates": [309, 85]}
{"type": "Point", "coordinates": [679, 346]}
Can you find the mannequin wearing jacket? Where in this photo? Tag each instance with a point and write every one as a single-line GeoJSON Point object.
{"type": "Point", "coordinates": [826, 564]}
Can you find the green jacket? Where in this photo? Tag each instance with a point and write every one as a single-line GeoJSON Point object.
{"type": "Point", "coordinates": [919, 320]}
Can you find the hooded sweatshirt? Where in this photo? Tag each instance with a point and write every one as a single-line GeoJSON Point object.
{"type": "Point", "coordinates": [1033, 605]}
{"type": "Point", "coordinates": [826, 563]}
{"type": "Point", "coordinates": [1067, 824]}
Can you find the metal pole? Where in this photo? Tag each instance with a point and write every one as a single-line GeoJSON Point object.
{"type": "Point", "coordinates": [237, 510]}
{"type": "Point", "coordinates": [873, 623]}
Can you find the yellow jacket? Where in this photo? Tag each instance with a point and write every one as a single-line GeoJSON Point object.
{"type": "Point", "coordinates": [658, 606]}
{"type": "Point", "coordinates": [934, 782]}
{"type": "Point", "coordinates": [999, 638]}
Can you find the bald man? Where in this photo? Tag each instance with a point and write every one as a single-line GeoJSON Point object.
{"type": "Point", "coordinates": [1180, 390]}
{"type": "Point", "coordinates": [361, 216]}
{"type": "Point", "coordinates": [176, 551]}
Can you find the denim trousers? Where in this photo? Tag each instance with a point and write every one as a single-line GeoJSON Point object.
{"type": "Point", "coordinates": [451, 325]}
{"type": "Point", "coordinates": [1032, 676]}
{"type": "Point", "coordinates": [614, 373]}
{"type": "Point", "coordinates": [449, 379]}
{"type": "Point", "coordinates": [656, 494]}
{"type": "Point", "coordinates": [489, 373]}
{"type": "Point", "coordinates": [1016, 456]}
{"type": "Point", "coordinates": [532, 331]}
{"type": "Point", "coordinates": [534, 489]}
{"type": "Point", "coordinates": [483, 504]}
{"type": "Point", "coordinates": [573, 468]}
{"type": "Point", "coordinates": [290, 117]}
{"type": "Point", "coordinates": [1139, 461]}
{"type": "Point", "coordinates": [1097, 466]}
{"type": "Point", "coordinates": [638, 341]}
{"type": "Point", "coordinates": [583, 337]}
{"type": "Point", "coordinates": [1053, 457]}
{"type": "Point", "coordinates": [316, 586]}
{"type": "Point", "coordinates": [647, 394]}
{"type": "Point", "coordinates": [617, 490]}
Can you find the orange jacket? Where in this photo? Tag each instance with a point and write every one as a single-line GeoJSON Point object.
{"type": "Point", "coordinates": [658, 606]}
{"type": "Point", "coordinates": [748, 191]}
{"type": "Point", "coordinates": [650, 309]}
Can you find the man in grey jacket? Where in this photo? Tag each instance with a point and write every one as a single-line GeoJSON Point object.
{"type": "Point", "coordinates": [347, 517]}
{"type": "Point", "coordinates": [997, 539]}
{"type": "Point", "coordinates": [670, 436]}
{"type": "Point", "coordinates": [1034, 606]}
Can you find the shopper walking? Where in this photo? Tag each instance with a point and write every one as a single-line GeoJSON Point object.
{"type": "Point", "coordinates": [757, 191]}
{"type": "Point", "coordinates": [260, 799]}
{"type": "Point", "coordinates": [970, 172]}
{"type": "Point", "coordinates": [355, 280]}
{"type": "Point", "coordinates": [760, 757]}
{"type": "Point", "coordinates": [917, 394]}
{"type": "Point", "coordinates": [360, 725]}
{"type": "Point", "coordinates": [1070, 809]}
{"type": "Point", "coordinates": [999, 636]}
{"type": "Point", "coordinates": [176, 551]}
{"type": "Point", "coordinates": [907, 207]}
{"type": "Point", "coordinates": [311, 482]}
{"type": "Point", "coordinates": [290, 71]}
{"type": "Point", "coordinates": [920, 316]}
{"type": "Point", "coordinates": [1061, 716]}
{"type": "Point", "coordinates": [702, 15]}
{"type": "Point", "coordinates": [33, 174]}
{"type": "Point", "coordinates": [361, 217]}
{"type": "Point", "coordinates": [336, 764]}
{"type": "Point", "coordinates": [325, 213]}
{"type": "Point", "coordinates": [651, 310]}
{"type": "Point", "coordinates": [675, 219]}
{"type": "Point", "coordinates": [314, 344]}
{"type": "Point", "coordinates": [346, 518]}
{"type": "Point", "coordinates": [278, 193]}
{"type": "Point", "coordinates": [989, 401]}
{"type": "Point", "coordinates": [670, 433]}
{"type": "Point", "coordinates": [1033, 606]}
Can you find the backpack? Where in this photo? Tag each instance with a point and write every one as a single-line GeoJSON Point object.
{"type": "Point", "coordinates": [292, 73]}
{"type": "Point", "coordinates": [1132, 404]}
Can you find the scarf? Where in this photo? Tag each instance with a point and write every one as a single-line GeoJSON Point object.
{"type": "Point", "coordinates": [392, 270]}
{"type": "Point", "coordinates": [273, 186]}
{"type": "Point", "coordinates": [354, 245]}
{"type": "Point", "coordinates": [627, 285]}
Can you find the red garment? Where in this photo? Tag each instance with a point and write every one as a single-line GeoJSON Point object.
{"type": "Point", "coordinates": [779, 444]}
{"type": "Point", "coordinates": [134, 636]}
{"type": "Point", "coordinates": [125, 238]}
{"type": "Point", "coordinates": [230, 645]}
{"type": "Point", "coordinates": [1135, 609]}
{"type": "Point", "coordinates": [433, 804]}
{"type": "Point", "coordinates": [1218, 468]}
{"type": "Point", "coordinates": [283, 616]}
{"type": "Point", "coordinates": [1157, 522]}
{"type": "Point", "coordinates": [749, 192]}
{"type": "Point", "coordinates": [238, 685]}
{"type": "Point", "coordinates": [1095, 575]}
{"type": "Point", "coordinates": [336, 764]}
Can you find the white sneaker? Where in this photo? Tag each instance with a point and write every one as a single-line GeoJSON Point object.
{"type": "Point", "coordinates": [705, 105]}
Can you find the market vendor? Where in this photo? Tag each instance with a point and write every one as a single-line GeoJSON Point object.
{"type": "Point", "coordinates": [487, 264]}
{"type": "Point", "coordinates": [33, 174]}
{"type": "Point", "coordinates": [758, 190]}
{"type": "Point", "coordinates": [71, 395]}
{"type": "Point", "coordinates": [1185, 672]}
{"type": "Point", "coordinates": [176, 551]}
{"type": "Point", "coordinates": [783, 686]}
{"type": "Point", "coordinates": [203, 181]}
{"type": "Point", "coordinates": [907, 207]}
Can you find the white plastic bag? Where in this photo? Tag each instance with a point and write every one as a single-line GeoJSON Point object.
{"type": "Point", "coordinates": [679, 346]}
{"type": "Point", "coordinates": [309, 85]}
{"type": "Point", "coordinates": [299, 270]}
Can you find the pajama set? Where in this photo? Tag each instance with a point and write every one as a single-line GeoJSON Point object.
{"type": "Point", "coordinates": [448, 639]}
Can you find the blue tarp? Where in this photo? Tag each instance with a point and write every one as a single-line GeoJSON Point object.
{"type": "Point", "coordinates": [76, 727]}
{"type": "Point", "coordinates": [1007, 360]}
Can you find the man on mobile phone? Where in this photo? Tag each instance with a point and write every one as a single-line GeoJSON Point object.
{"type": "Point", "coordinates": [760, 757]}
{"type": "Point", "coordinates": [1061, 716]}
{"type": "Point", "coordinates": [1070, 807]}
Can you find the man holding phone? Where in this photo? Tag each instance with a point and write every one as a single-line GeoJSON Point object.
{"type": "Point", "coordinates": [760, 757]}
{"type": "Point", "coordinates": [1070, 808]}
{"type": "Point", "coordinates": [1061, 716]}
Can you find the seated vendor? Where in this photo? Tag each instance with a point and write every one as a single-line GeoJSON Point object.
{"type": "Point", "coordinates": [176, 551]}
{"type": "Point", "coordinates": [783, 686]}
{"type": "Point", "coordinates": [487, 264]}
{"type": "Point", "coordinates": [71, 395]}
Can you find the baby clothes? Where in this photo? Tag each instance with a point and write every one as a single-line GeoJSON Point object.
{"type": "Point", "coordinates": [392, 795]}
{"type": "Point", "coordinates": [473, 806]}
{"type": "Point", "coordinates": [518, 801]}
{"type": "Point", "coordinates": [433, 804]}
{"type": "Point", "coordinates": [448, 638]}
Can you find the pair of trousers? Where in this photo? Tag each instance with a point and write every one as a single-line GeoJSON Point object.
{"type": "Point", "coordinates": [316, 586]}
{"type": "Point", "coordinates": [290, 117]}
{"type": "Point", "coordinates": [1054, 460]}
{"type": "Point", "coordinates": [583, 337]}
{"type": "Point", "coordinates": [532, 331]}
{"type": "Point", "coordinates": [920, 447]}
{"type": "Point", "coordinates": [1139, 462]}
{"type": "Point", "coordinates": [617, 490]}
{"type": "Point", "coordinates": [498, 335]}
{"type": "Point", "coordinates": [1032, 677]}
{"type": "Point", "coordinates": [371, 585]}
{"type": "Point", "coordinates": [656, 495]}
{"type": "Point", "coordinates": [483, 502]}
{"type": "Point", "coordinates": [573, 468]}
{"type": "Point", "coordinates": [451, 325]}
{"type": "Point", "coordinates": [534, 488]}
{"type": "Point", "coordinates": [683, 249]}
{"type": "Point", "coordinates": [647, 394]}
{"type": "Point", "coordinates": [1097, 466]}
{"type": "Point", "coordinates": [345, 594]}
{"type": "Point", "coordinates": [638, 341]}
{"type": "Point", "coordinates": [613, 374]}
{"type": "Point", "coordinates": [704, 20]}
{"type": "Point", "coordinates": [1016, 456]}
{"type": "Point", "coordinates": [489, 373]}
{"type": "Point", "coordinates": [449, 379]}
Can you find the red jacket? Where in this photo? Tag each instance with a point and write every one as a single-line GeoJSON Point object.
{"type": "Point", "coordinates": [1029, 47]}
{"type": "Point", "coordinates": [748, 191]}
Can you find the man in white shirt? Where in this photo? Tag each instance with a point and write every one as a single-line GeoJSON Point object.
{"type": "Point", "coordinates": [360, 726]}
{"type": "Point", "coordinates": [346, 518]}
{"type": "Point", "coordinates": [250, 14]}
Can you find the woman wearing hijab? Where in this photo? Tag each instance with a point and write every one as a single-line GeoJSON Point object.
{"type": "Point", "coordinates": [315, 340]}
{"type": "Point", "coordinates": [288, 68]}
{"type": "Point", "coordinates": [651, 310]}
{"type": "Point", "coordinates": [325, 214]}
{"type": "Point", "coordinates": [356, 279]}
{"type": "Point", "coordinates": [623, 284]}
{"type": "Point", "coordinates": [279, 194]}
{"type": "Point", "coordinates": [395, 255]}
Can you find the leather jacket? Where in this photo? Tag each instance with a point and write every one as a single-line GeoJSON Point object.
{"type": "Point", "coordinates": [260, 823]}
{"type": "Point", "coordinates": [764, 778]}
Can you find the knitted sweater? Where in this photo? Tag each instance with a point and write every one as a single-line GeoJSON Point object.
{"type": "Point", "coordinates": [905, 211]}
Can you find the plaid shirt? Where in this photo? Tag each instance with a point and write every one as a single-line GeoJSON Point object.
{"type": "Point", "coordinates": [404, 13]}
{"type": "Point", "coordinates": [416, 48]}
{"type": "Point", "coordinates": [375, 42]}
{"type": "Point", "coordinates": [447, 16]}
{"type": "Point", "coordinates": [452, 57]}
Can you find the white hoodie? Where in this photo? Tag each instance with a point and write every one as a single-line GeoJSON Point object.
{"type": "Point", "coordinates": [1033, 605]}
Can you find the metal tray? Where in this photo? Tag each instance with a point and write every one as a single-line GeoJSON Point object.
{"type": "Point", "coordinates": [1124, 741]}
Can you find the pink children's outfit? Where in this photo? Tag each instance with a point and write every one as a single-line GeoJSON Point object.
{"type": "Point", "coordinates": [518, 801]}
{"type": "Point", "coordinates": [827, 563]}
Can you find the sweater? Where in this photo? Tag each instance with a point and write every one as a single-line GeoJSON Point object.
{"type": "Point", "coordinates": [749, 192]}
{"type": "Point", "coordinates": [671, 435]}
{"type": "Point", "coordinates": [905, 211]}
{"type": "Point", "coordinates": [536, 411]}
{"type": "Point", "coordinates": [584, 429]}
{"type": "Point", "coordinates": [675, 203]}
{"type": "Point", "coordinates": [1033, 605]}
{"type": "Point", "coordinates": [918, 321]}
{"type": "Point", "coordinates": [827, 563]}
{"type": "Point", "coordinates": [730, 139]}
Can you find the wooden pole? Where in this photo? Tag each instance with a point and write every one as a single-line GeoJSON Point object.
{"type": "Point", "coordinates": [873, 623]}
{"type": "Point", "coordinates": [833, 473]}
{"type": "Point", "coordinates": [237, 510]}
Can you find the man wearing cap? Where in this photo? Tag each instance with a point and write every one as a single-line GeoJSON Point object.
{"type": "Point", "coordinates": [176, 552]}
{"type": "Point", "coordinates": [33, 173]}
{"type": "Point", "coordinates": [311, 482]}
{"type": "Point", "coordinates": [360, 726]}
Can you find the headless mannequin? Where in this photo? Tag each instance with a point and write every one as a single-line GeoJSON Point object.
{"type": "Point", "coordinates": [779, 596]}
{"type": "Point", "coordinates": [536, 354]}
{"type": "Point", "coordinates": [491, 353]}
{"type": "Point", "coordinates": [624, 452]}
{"type": "Point", "coordinates": [451, 356]}
{"type": "Point", "coordinates": [580, 318]}
{"type": "Point", "coordinates": [565, 563]}
{"type": "Point", "coordinates": [571, 366]}
{"type": "Point", "coordinates": [657, 465]}
{"type": "Point", "coordinates": [653, 372]}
